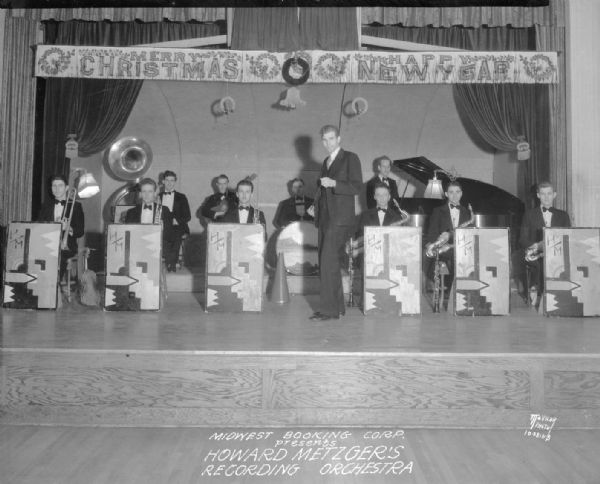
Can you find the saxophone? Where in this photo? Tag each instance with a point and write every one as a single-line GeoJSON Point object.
{"type": "Point", "coordinates": [441, 245]}
{"type": "Point", "coordinates": [534, 252]}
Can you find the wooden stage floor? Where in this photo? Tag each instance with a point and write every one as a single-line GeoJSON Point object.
{"type": "Point", "coordinates": [183, 326]}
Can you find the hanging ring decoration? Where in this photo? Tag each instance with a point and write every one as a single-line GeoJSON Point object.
{"type": "Point", "coordinates": [291, 76]}
{"type": "Point", "coordinates": [360, 106]}
{"type": "Point", "coordinates": [227, 105]}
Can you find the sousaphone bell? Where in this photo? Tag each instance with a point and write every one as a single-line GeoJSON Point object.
{"type": "Point", "coordinates": [128, 159]}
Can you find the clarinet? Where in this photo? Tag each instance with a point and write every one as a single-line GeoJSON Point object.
{"type": "Point", "coordinates": [351, 274]}
{"type": "Point", "coordinates": [437, 284]}
{"type": "Point", "coordinates": [158, 212]}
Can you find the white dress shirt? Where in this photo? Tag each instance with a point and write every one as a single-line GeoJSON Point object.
{"type": "Point", "coordinates": [147, 216]}
{"type": "Point", "coordinates": [167, 199]}
{"type": "Point", "coordinates": [381, 215]}
{"type": "Point", "coordinates": [244, 215]}
{"type": "Point", "coordinates": [455, 215]}
{"type": "Point", "coordinates": [332, 157]}
{"type": "Point", "coordinates": [547, 215]}
{"type": "Point", "coordinates": [58, 211]}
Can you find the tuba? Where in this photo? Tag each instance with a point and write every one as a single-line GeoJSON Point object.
{"type": "Point", "coordinates": [128, 159]}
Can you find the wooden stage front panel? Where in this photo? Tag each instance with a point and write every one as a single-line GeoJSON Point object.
{"type": "Point", "coordinates": [158, 388]}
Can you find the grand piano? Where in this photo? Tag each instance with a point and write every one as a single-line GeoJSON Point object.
{"type": "Point", "coordinates": [493, 207]}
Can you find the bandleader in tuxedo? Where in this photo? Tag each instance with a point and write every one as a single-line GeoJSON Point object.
{"type": "Point", "coordinates": [445, 218]}
{"type": "Point", "coordinates": [339, 183]}
{"type": "Point", "coordinates": [146, 211]}
{"type": "Point", "coordinates": [384, 175]}
{"type": "Point", "coordinates": [295, 208]}
{"type": "Point", "coordinates": [178, 205]}
{"type": "Point", "coordinates": [244, 213]}
{"type": "Point", "coordinates": [532, 229]}
{"type": "Point", "coordinates": [58, 210]}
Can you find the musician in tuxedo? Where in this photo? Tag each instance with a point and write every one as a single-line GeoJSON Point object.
{"type": "Point", "coordinates": [532, 230]}
{"type": "Point", "coordinates": [444, 219]}
{"type": "Point", "coordinates": [58, 210]}
{"type": "Point", "coordinates": [384, 175]}
{"type": "Point", "coordinates": [244, 213]}
{"type": "Point", "coordinates": [339, 183]}
{"type": "Point", "coordinates": [216, 205]}
{"type": "Point", "coordinates": [178, 205]}
{"type": "Point", "coordinates": [146, 211]}
{"type": "Point", "coordinates": [295, 208]}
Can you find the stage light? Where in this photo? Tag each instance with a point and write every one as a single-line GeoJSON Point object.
{"type": "Point", "coordinates": [85, 183]}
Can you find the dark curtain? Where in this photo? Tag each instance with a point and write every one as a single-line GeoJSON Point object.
{"type": "Point", "coordinates": [328, 28]}
{"type": "Point", "coordinates": [273, 29]}
{"type": "Point", "coordinates": [292, 29]}
{"type": "Point", "coordinates": [95, 109]}
{"type": "Point", "coordinates": [498, 114]}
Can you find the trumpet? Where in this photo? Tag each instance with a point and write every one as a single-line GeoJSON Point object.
{"type": "Point", "coordinates": [442, 244]}
{"type": "Point", "coordinates": [66, 220]}
{"type": "Point", "coordinates": [534, 252]}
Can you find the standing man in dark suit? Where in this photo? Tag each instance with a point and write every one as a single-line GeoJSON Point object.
{"type": "Point", "coordinates": [294, 208]}
{"type": "Point", "coordinates": [245, 213]}
{"type": "Point", "coordinates": [446, 218]}
{"type": "Point", "coordinates": [383, 166]}
{"type": "Point", "coordinates": [532, 230]}
{"type": "Point", "coordinates": [178, 205]}
{"type": "Point", "coordinates": [58, 210]}
{"type": "Point", "coordinates": [340, 182]}
{"type": "Point", "coordinates": [147, 211]}
{"type": "Point", "coordinates": [216, 205]}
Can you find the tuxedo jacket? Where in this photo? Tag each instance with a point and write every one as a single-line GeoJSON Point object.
{"type": "Point", "coordinates": [213, 201]}
{"type": "Point", "coordinates": [532, 226]}
{"type": "Point", "coordinates": [286, 212]}
{"type": "Point", "coordinates": [441, 221]}
{"type": "Point", "coordinates": [371, 218]}
{"type": "Point", "coordinates": [134, 216]}
{"type": "Point", "coordinates": [181, 210]}
{"type": "Point", "coordinates": [372, 183]}
{"type": "Point", "coordinates": [77, 221]}
{"type": "Point", "coordinates": [335, 205]}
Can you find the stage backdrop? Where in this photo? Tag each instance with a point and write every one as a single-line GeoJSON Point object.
{"type": "Point", "coordinates": [178, 120]}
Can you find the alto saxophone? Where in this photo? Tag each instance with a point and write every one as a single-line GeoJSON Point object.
{"type": "Point", "coordinates": [534, 252]}
{"type": "Point", "coordinates": [441, 245]}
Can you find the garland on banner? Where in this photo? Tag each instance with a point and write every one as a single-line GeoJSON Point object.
{"type": "Point", "coordinates": [317, 66]}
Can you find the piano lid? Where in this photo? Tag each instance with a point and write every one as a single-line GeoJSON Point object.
{"type": "Point", "coordinates": [484, 197]}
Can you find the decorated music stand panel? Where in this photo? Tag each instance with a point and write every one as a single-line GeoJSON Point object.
{"type": "Point", "coordinates": [234, 267]}
{"type": "Point", "coordinates": [32, 265]}
{"type": "Point", "coordinates": [133, 267]}
{"type": "Point", "coordinates": [482, 271]}
{"type": "Point", "coordinates": [572, 271]}
{"type": "Point", "coordinates": [392, 270]}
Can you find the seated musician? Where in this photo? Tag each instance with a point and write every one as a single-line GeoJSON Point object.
{"type": "Point", "coordinates": [216, 205]}
{"type": "Point", "coordinates": [147, 212]}
{"type": "Point", "coordinates": [444, 220]}
{"type": "Point", "coordinates": [295, 208]}
{"type": "Point", "coordinates": [532, 232]}
{"type": "Point", "coordinates": [178, 205]}
{"type": "Point", "coordinates": [384, 175]}
{"type": "Point", "coordinates": [244, 213]}
{"type": "Point", "coordinates": [58, 210]}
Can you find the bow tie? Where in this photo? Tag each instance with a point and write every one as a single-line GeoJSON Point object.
{"type": "Point", "coordinates": [544, 209]}
{"type": "Point", "coordinates": [385, 180]}
{"type": "Point", "coordinates": [384, 210]}
{"type": "Point", "coordinates": [299, 200]}
{"type": "Point", "coordinates": [454, 206]}
{"type": "Point", "coordinates": [148, 207]}
{"type": "Point", "coordinates": [243, 208]}
{"type": "Point", "coordinates": [168, 193]}
{"type": "Point", "coordinates": [60, 202]}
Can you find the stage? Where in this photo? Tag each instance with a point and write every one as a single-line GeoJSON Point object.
{"type": "Point", "coordinates": [184, 367]}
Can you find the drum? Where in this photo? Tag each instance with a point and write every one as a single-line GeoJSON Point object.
{"type": "Point", "coordinates": [298, 242]}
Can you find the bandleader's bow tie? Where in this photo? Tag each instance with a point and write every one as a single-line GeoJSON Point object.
{"type": "Point", "coordinates": [544, 209]}
{"type": "Point", "coordinates": [60, 202]}
{"type": "Point", "coordinates": [168, 193]}
{"type": "Point", "coordinates": [454, 206]}
{"type": "Point", "coordinates": [147, 207]}
{"type": "Point", "coordinates": [244, 208]}
{"type": "Point", "coordinates": [384, 210]}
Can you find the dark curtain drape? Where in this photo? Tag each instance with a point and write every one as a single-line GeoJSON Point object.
{"type": "Point", "coordinates": [96, 110]}
{"type": "Point", "coordinates": [273, 29]}
{"type": "Point", "coordinates": [496, 113]}
{"type": "Point", "coordinates": [292, 29]}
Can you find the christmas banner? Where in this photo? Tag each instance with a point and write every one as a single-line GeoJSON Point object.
{"type": "Point", "coordinates": [173, 64]}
